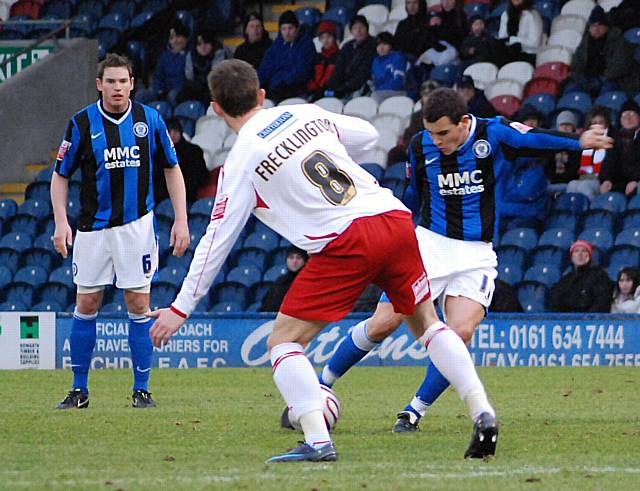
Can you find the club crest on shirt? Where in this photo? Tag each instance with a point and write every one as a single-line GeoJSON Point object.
{"type": "Point", "coordinates": [64, 148]}
{"type": "Point", "coordinates": [481, 149]}
{"type": "Point", "coordinates": [140, 129]}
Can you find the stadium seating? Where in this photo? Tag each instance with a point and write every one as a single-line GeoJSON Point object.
{"type": "Point", "coordinates": [398, 105]}
{"type": "Point", "coordinates": [8, 208]}
{"type": "Point", "coordinates": [252, 255]}
{"type": "Point", "coordinates": [511, 255]}
{"type": "Point", "coordinates": [572, 203]}
{"type": "Point", "coordinates": [581, 8]}
{"type": "Point", "coordinates": [375, 14]}
{"type": "Point", "coordinates": [13, 306]}
{"type": "Point", "coordinates": [274, 272]}
{"type": "Point", "coordinates": [533, 296]}
{"type": "Point", "coordinates": [6, 276]}
{"type": "Point", "coordinates": [21, 292]}
{"type": "Point", "coordinates": [557, 237]}
{"type": "Point", "coordinates": [47, 307]}
{"type": "Point", "coordinates": [64, 276]}
{"type": "Point", "coordinates": [332, 104]}
{"type": "Point", "coordinates": [598, 219]}
{"type": "Point", "coordinates": [613, 202]}
{"type": "Point", "coordinates": [55, 293]}
{"type": "Point", "coordinates": [613, 100]}
{"type": "Point", "coordinates": [551, 256]}
{"type": "Point", "coordinates": [482, 74]}
{"type": "Point", "coordinates": [364, 107]}
{"type": "Point", "coordinates": [525, 238]}
{"type": "Point", "coordinates": [511, 273]}
{"type": "Point", "coordinates": [579, 102]}
{"type": "Point", "coordinates": [547, 274]}
{"type": "Point", "coordinates": [602, 238]}
{"type": "Point", "coordinates": [565, 220]}
{"type": "Point", "coordinates": [247, 275]}
{"type": "Point", "coordinates": [446, 75]}
{"type": "Point", "coordinates": [231, 292]}
{"type": "Point", "coordinates": [226, 307]}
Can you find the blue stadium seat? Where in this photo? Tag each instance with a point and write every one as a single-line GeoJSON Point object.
{"type": "Point", "coordinates": [613, 100]}
{"type": "Point", "coordinates": [632, 35]}
{"type": "Point", "coordinates": [631, 219]}
{"type": "Point", "coordinates": [511, 273]}
{"type": "Point", "coordinates": [38, 190]}
{"type": "Point", "coordinates": [164, 293]}
{"type": "Point", "coordinates": [59, 8]}
{"type": "Point", "coordinates": [260, 227]}
{"type": "Point", "coordinates": [396, 171]}
{"type": "Point", "coordinates": [633, 204]}
{"type": "Point", "coordinates": [123, 7]}
{"type": "Point", "coordinates": [202, 207]}
{"type": "Point", "coordinates": [259, 290]}
{"type": "Point", "coordinates": [274, 272]}
{"type": "Point", "coordinates": [37, 208]}
{"type": "Point", "coordinates": [223, 307]}
{"type": "Point", "coordinates": [107, 39]}
{"type": "Point", "coordinates": [16, 241]}
{"type": "Point", "coordinates": [550, 255]}
{"type": "Point", "coordinates": [31, 275]}
{"type": "Point", "coordinates": [548, 10]}
{"type": "Point", "coordinates": [565, 220]}
{"type": "Point", "coordinates": [6, 276]}
{"type": "Point", "coordinates": [63, 275]}
{"type": "Point", "coordinates": [20, 292]}
{"type": "Point", "coordinates": [44, 175]}
{"type": "Point", "coordinates": [251, 255]}
{"type": "Point", "coordinates": [600, 219]}
{"type": "Point", "coordinates": [613, 202]}
{"type": "Point", "coordinates": [83, 25]}
{"type": "Point", "coordinates": [266, 241]}
{"type": "Point", "coordinates": [164, 209]}
{"type": "Point", "coordinates": [8, 208]}
{"type": "Point", "coordinates": [13, 306]}
{"type": "Point", "coordinates": [526, 238]}
{"type": "Point", "coordinates": [599, 237]}
{"type": "Point", "coordinates": [278, 257]}
{"type": "Point", "coordinates": [163, 107]}
{"type": "Point", "coordinates": [308, 16]}
{"type": "Point", "coordinates": [90, 7]}
{"type": "Point", "coordinates": [533, 296]}
{"type": "Point", "coordinates": [579, 102]}
{"type": "Point", "coordinates": [10, 259]}
{"type": "Point", "coordinates": [558, 237]}
{"type": "Point", "coordinates": [172, 275]}
{"type": "Point", "coordinates": [24, 224]}
{"type": "Point", "coordinates": [231, 292]}
{"type": "Point", "coordinates": [113, 308]}
{"type": "Point", "coordinates": [198, 226]}
{"type": "Point", "coordinates": [622, 257]}
{"type": "Point", "coordinates": [56, 293]}
{"type": "Point", "coordinates": [73, 211]}
{"type": "Point", "coordinates": [545, 103]}
{"type": "Point", "coordinates": [480, 9]}
{"type": "Point", "coordinates": [446, 75]}
{"type": "Point", "coordinates": [185, 17]}
{"type": "Point", "coordinates": [184, 261]}
{"type": "Point", "coordinates": [188, 113]}
{"type": "Point", "coordinates": [247, 275]}
{"type": "Point", "coordinates": [546, 274]}
{"type": "Point", "coordinates": [374, 169]}
{"type": "Point", "coordinates": [511, 255]}
{"type": "Point", "coordinates": [572, 203]}
{"type": "Point", "coordinates": [141, 19]}
{"type": "Point", "coordinates": [115, 21]}
{"type": "Point", "coordinates": [254, 307]}
{"type": "Point", "coordinates": [47, 307]}
{"type": "Point", "coordinates": [339, 15]}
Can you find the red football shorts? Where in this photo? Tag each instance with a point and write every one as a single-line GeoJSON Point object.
{"type": "Point", "coordinates": [380, 249]}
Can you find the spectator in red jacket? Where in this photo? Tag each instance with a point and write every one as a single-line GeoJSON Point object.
{"type": "Point", "coordinates": [325, 61]}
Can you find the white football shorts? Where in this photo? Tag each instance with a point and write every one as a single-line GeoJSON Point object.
{"type": "Point", "coordinates": [129, 252]}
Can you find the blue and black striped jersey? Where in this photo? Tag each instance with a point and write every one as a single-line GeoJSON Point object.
{"type": "Point", "coordinates": [119, 160]}
{"type": "Point", "coordinates": [459, 195]}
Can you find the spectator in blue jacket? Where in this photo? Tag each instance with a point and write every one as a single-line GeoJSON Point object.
{"type": "Point", "coordinates": [287, 65]}
{"type": "Point", "coordinates": [169, 76]}
{"type": "Point", "coordinates": [389, 69]}
{"type": "Point", "coordinates": [353, 67]}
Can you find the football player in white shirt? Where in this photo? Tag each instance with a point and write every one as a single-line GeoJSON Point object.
{"type": "Point", "coordinates": [292, 168]}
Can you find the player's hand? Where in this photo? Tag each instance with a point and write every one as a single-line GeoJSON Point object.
{"type": "Point", "coordinates": [596, 138]}
{"type": "Point", "coordinates": [166, 325]}
{"type": "Point", "coordinates": [62, 239]}
{"type": "Point", "coordinates": [180, 238]}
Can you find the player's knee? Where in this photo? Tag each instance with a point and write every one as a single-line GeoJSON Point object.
{"type": "Point", "coordinates": [382, 324]}
{"type": "Point", "coordinates": [88, 303]}
{"type": "Point", "coordinates": [464, 329]}
{"type": "Point", "coordinates": [137, 303]}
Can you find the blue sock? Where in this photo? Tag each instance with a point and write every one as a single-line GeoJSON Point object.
{"type": "Point", "coordinates": [433, 385]}
{"type": "Point", "coordinates": [141, 349]}
{"type": "Point", "coordinates": [83, 340]}
{"type": "Point", "coordinates": [355, 347]}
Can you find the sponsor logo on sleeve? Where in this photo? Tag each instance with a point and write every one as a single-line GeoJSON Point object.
{"type": "Point", "coordinates": [219, 208]}
{"type": "Point", "coordinates": [522, 128]}
{"type": "Point", "coordinates": [64, 148]}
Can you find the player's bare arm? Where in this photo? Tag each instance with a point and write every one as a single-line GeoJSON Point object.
{"type": "Point", "coordinates": [166, 325]}
{"type": "Point", "coordinates": [62, 236]}
{"type": "Point", "coordinates": [180, 238]}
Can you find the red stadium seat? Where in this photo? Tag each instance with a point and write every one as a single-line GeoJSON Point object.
{"type": "Point", "coordinates": [28, 8]}
{"type": "Point", "coordinates": [542, 85]}
{"type": "Point", "coordinates": [507, 105]}
{"type": "Point", "coordinates": [555, 70]}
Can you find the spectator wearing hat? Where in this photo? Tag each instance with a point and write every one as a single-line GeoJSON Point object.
{"type": "Point", "coordinates": [521, 31]}
{"type": "Point", "coordinates": [412, 35]}
{"type": "Point", "coordinates": [603, 60]}
{"type": "Point", "coordinates": [479, 45]}
{"type": "Point", "coordinates": [353, 66]}
{"type": "Point", "coordinates": [586, 288]}
{"type": "Point", "coordinates": [621, 168]}
{"type": "Point", "coordinates": [325, 61]}
{"type": "Point", "coordinates": [476, 100]}
{"type": "Point", "coordinates": [256, 41]}
{"type": "Point", "coordinates": [563, 167]}
{"type": "Point", "coordinates": [296, 260]}
{"type": "Point", "coordinates": [169, 77]}
{"type": "Point", "coordinates": [207, 53]}
{"type": "Point", "coordinates": [287, 65]}
{"type": "Point", "coordinates": [389, 69]}
{"type": "Point", "coordinates": [626, 294]}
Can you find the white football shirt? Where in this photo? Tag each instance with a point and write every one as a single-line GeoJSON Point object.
{"type": "Point", "coordinates": [293, 168]}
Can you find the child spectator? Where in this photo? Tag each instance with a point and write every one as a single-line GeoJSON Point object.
{"type": "Point", "coordinates": [207, 52]}
{"type": "Point", "coordinates": [479, 45]}
{"type": "Point", "coordinates": [412, 34]}
{"type": "Point", "coordinates": [621, 168]}
{"type": "Point", "coordinates": [296, 260]}
{"type": "Point", "coordinates": [325, 61]}
{"type": "Point", "coordinates": [287, 65]}
{"type": "Point", "coordinates": [256, 41]}
{"type": "Point", "coordinates": [450, 24]}
{"type": "Point", "coordinates": [586, 288]}
{"type": "Point", "coordinates": [353, 66]}
{"type": "Point", "coordinates": [169, 77]}
{"type": "Point", "coordinates": [626, 294]}
{"type": "Point", "coordinates": [389, 69]}
{"type": "Point", "coordinates": [521, 30]}
{"type": "Point", "coordinates": [477, 102]}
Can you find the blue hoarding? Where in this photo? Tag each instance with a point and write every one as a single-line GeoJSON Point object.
{"type": "Point", "coordinates": [501, 340]}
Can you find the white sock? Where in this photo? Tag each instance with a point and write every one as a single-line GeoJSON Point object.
{"type": "Point", "coordinates": [449, 354]}
{"type": "Point", "coordinates": [420, 407]}
{"type": "Point", "coordinates": [328, 377]}
{"type": "Point", "coordinates": [297, 382]}
{"type": "Point", "coordinates": [361, 338]}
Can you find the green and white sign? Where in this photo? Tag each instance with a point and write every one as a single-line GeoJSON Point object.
{"type": "Point", "coordinates": [21, 62]}
{"type": "Point", "coordinates": [27, 340]}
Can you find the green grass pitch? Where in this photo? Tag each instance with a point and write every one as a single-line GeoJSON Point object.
{"type": "Point", "coordinates": [561, 428]}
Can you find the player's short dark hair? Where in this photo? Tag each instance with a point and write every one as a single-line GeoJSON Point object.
{"type": "Point", "coordinates": [234, 86]}
{"type": "Point", "coordinates": [113, 60]}
{"type": "Point", "coordinates": [444, 102]}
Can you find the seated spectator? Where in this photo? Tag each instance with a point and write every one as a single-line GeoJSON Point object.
{"type": "Point", "coordinates": [389, 69]}
{"type": "Point", "coordinates": [563, 167]}
{"type": "Point", "coordinates": [479, 45]}
{"type": "Point", "coordinates": [476, 100]}
{"type": "Point", "coordinates": [504, 298]}
{"type": "Point", "coordinates": [192, 165]}
{"type": "Point", "coordinates": [621, 168]}
{"type": "Point", "coordinates": [287, 65]}
{"type": "Point", "coordinates": [626, 15]}
{"type": "Point", "coordinates": [400, 153]}
{"type": "Point", "coordinates": [169, 76]}
{"type": "Point", "coordinates": [412, 35]}
{"type": "Point", "coordinates": [626, 294]}
{"type": "Point", "coordinates": [450, 23]}
{"type": "Point", "coordinates": [325, 61]}
{"type": "Point", "coordinates": [207, 53]}
{"type": "Point", "coordinates": [521, 31]}
{"type": "Point", "coordinates": [590, 163]}
{"type": "Point", "coordinates": [524, 202]}
{"type": "Point", "coordinates": [603, 60]}
{"type": "Point", "coordinates": [256, 41]}
{"type": "Point", "coordinates": [353, 65]}
{"type": "Point", "coordinates": [586, 288]}
{"type": "Point", "coordinates": [296, 260]}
